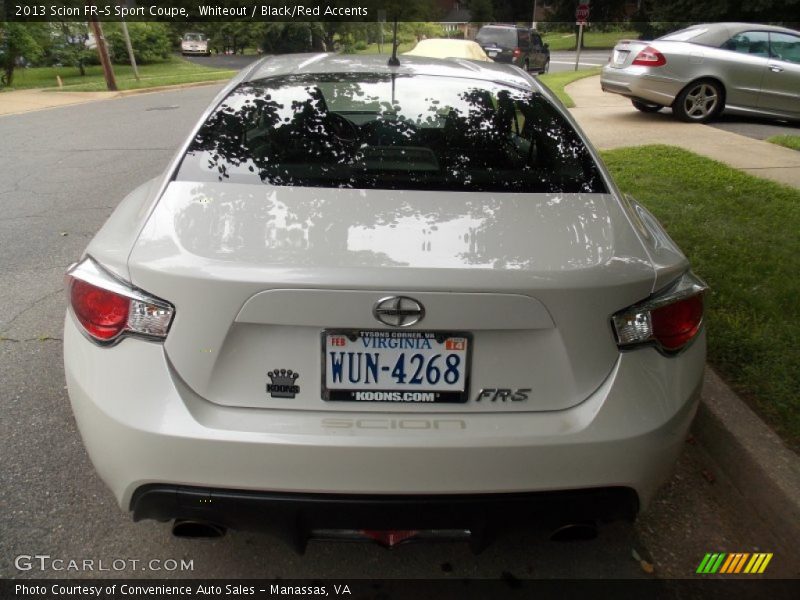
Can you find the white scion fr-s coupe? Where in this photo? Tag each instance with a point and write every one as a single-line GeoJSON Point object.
{"type": "Point", "coordinates": [383, 302]}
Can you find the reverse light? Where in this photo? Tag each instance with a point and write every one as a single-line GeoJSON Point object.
{"type": "Point", "coordinates": [670, 319]}
{"type": "Point", "coordinates": [108, 309]}
{"type": "Point", "coordinates": [650, 57]}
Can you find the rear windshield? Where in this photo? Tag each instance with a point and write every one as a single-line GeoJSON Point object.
{"type": "Point", "coordinates": [684, 35]}
{"type": "Point", "coordinates": [390, 132]}
{"type": "Point", "coordinates": [194, 37]}
{"type": "Point", "coordinates": [501, 36]}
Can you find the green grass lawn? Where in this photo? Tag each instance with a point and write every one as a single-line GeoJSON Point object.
{"type": "Point", "coordinates": [741, 234]}
{"type": "Point", "coordinates": [592, 39]}
{"type": "Point", "coordinates": [172, 71]}
{"type": "Point", "coordinates": [557, 81]}
{"type": "Point", "coordinates": [790, 141]}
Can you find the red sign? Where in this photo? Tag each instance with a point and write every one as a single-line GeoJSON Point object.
{"type": "Point", "coordinates": [582, 14]}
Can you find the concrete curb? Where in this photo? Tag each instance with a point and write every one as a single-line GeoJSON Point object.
{"type": "Point", "coordinates": [763, 469]}
{"type": "Point", "coordinates": [170, 88]}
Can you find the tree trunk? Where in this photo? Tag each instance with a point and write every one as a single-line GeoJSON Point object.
{"type": "Point", "coordinates": [8, 72]}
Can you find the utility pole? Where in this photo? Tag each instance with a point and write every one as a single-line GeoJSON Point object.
{"type": "Point", "coordinates": [129, 46]}
{"type": "Point", "coordinates": [102, 50]}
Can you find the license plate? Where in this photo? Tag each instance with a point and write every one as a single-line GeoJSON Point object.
{"type": "Point", "coordinates": [419, 367]}
{"type": "Point", "coordinates": [492, 53]}
{"type": "Point", "coordinates": [620, 56]}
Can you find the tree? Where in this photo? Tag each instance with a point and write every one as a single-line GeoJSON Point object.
{"type": "Point", "coordinates": [19, 43]}
{"type": "Point", "coordinates": [69, 45]}
{"type": "Point", "coordinates": [283, 37]}
{"type": "Point", "coordinates": [481, 11]}
{"type": "Point", "coordinates": [150, 41]}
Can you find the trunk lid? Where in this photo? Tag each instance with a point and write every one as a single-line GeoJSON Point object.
{"type": "Point", "coordinates": [625, 52]}
{"type": "Point", "coordinates": [256, 273]}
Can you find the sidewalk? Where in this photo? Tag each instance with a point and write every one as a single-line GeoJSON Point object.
{"type": "Point", "coordinates": [611, 122]}
{"type": "Point", "coordinates": [22, 101]}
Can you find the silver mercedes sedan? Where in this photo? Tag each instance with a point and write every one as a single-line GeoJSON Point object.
{"type": "Point", "coordinates": [704, 70]}
{"type": "Point", "coordinates": [383, 302]}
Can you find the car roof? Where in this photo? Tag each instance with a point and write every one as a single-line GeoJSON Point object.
{"type": "Point", "coordinates": [717, 34]}
{"type": "Point", "coordinates": [329, 63]}
{"type": "Point", "coordinates": [504, 26]}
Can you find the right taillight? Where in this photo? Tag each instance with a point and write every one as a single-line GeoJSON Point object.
{"type": "Point", "coordinates": [650, 57]}
{"type": "Point", "coordinates": [669, 320]}
{"type": "Point", "coordinates": [108, 308]}
{"type": "Point", "coordinates": [517, 52]}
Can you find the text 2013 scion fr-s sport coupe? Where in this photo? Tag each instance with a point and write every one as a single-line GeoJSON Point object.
{"type": "Point", "coordinates": [366, 299]}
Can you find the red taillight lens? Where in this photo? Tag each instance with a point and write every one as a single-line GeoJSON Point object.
{"type": "Point", "coordinates": [669, 319]}
{"type": "Point", "coordinates": [650, 57]}
{"type": "Point", "coordinates": [102, 313]}
{"type": "Point", "coordinates": [517, 52]}
{"type": "Point", "coordinates": [674, 325]}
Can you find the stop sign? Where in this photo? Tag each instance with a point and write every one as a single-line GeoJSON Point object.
{"type": "Point", "coordinates": [582, 14]}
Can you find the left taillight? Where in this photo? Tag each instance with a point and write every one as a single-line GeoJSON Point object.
{"type": "Point", "coordinates": [109, 309]}
{"type": "Point", "coordinates": [668, 320]}
{"type": "Point", "coordinates": [650, 57]}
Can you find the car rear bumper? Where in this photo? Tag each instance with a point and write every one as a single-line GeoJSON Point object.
{"type": "Point", "coordinates": [141, 425]}
{"type": "Point", "coordinates": [296, 518]}
{"type": "Point", "coordinates": [638, 83]}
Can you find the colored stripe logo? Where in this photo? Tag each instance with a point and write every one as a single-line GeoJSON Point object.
{"type": "Point", "coordinates": [734, 563]}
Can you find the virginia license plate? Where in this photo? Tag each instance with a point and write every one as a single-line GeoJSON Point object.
{"type": "Point", "coordinates": [620, 56]}
{"type": "Point", "coordinates": [395, 366]}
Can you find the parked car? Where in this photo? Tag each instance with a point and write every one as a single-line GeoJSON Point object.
{"type": "Point", "coordinates": [380, 302]}
{"type": "Point", "coordinates": [195, 43]}
{"type": "Point", "coordinates": [704, 70]}
{"type": "Point", "coordinates": [447, 48]}
{"type": "Point", "coordinates": [517, 45]}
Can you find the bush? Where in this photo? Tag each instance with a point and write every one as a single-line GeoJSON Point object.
{"type": "Point", "coordinates": [150, 41]}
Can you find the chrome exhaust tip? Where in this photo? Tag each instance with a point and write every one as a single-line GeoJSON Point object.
{"type": "Point", "coordinates": [575, 532]}
{"type": "Point", "coordinates": [185, 528]}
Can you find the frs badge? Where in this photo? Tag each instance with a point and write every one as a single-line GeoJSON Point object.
{"type": "Point", "coordinates": [503, 394]}
{"type": "Point", "coordinates": [282, 385]}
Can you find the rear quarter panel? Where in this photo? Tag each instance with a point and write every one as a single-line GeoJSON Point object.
{"type": "Point", "coordinates": [740, 74]}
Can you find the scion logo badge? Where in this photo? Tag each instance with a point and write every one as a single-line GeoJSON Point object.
{"type": "Point", "coordinates": [398, 311]}
{"type": "Point", "coordinates": [282, 385]}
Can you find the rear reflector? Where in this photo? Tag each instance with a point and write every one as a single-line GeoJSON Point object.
{"type": "Point", "coordinates": [669, 319]}
{"type": "Point", "coordinates": [390, 538]}
{"type": "Point", "coordinates": [108, 308]}
{"type": "Point", "coordinates": [650, 57]}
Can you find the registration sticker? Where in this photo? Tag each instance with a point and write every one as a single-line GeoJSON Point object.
{"type": "Point", "coordinates": [395, 366]}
